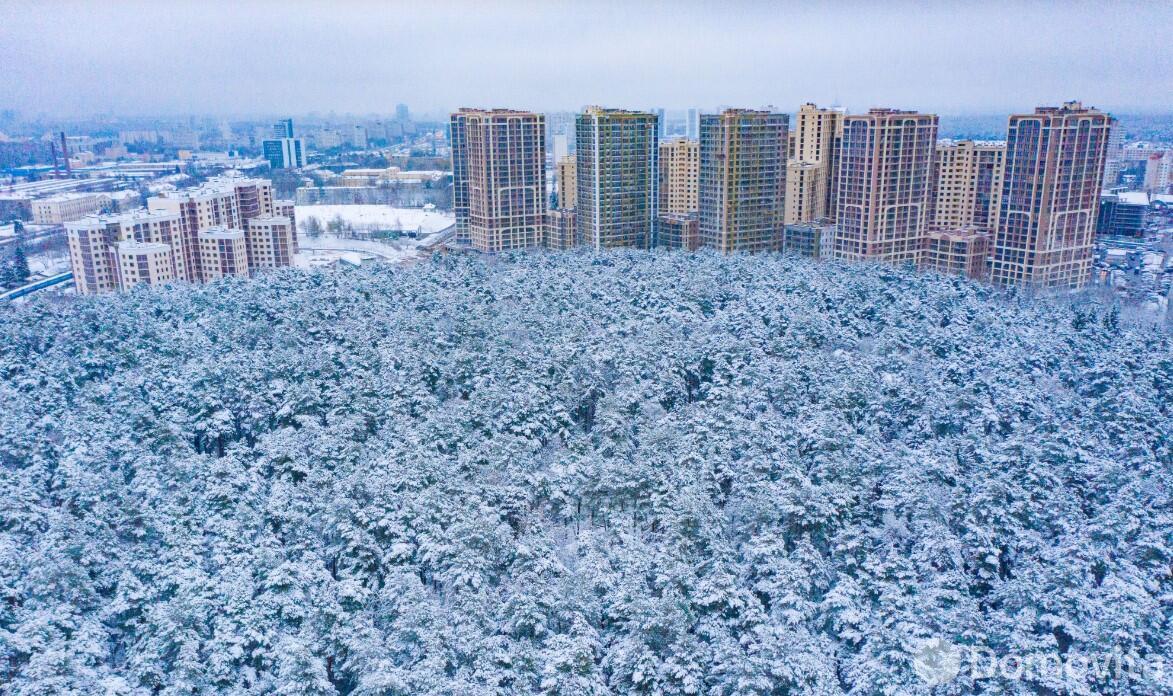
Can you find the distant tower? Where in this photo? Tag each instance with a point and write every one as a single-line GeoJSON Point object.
{"type": "Point", "coordinates": [662, 132]}
{"type": "Point", "coordinates": [65, 153]}
{"type": "Point", "coordinates": [692, 126]}
{"type": "Point", "coordinates": [680, 165]}
{"type": "Point", "coordinates": [402, 113]}
{"type": "Point", "coordinates": [617, 159]}
{"type": "Point", "coordinates": [742, 179]}
{"type": "Point", "coordinates": [283, 129]}
{"type": "Point", "coordinates": [1050, 198]}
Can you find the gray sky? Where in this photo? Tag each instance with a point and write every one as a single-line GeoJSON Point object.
{"type": "Point", "coordinates": [240, 57]}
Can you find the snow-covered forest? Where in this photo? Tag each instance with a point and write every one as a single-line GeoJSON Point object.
{"type": "Point", "coordinates": [577, 474]}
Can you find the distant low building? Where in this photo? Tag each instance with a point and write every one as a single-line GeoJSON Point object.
{"type": "Point", "coordinates": [678, 231]}
{"type": "Point", "coordinates": [814, 239]}
{"type": "Point", "coordinates": [1122, 214]}
{"type": "Point", "coordinates": [561, 232]}
{"type": "Point", "coordinates": [963, 251]}
{"type": "Point", "coordinates": [66, 207]}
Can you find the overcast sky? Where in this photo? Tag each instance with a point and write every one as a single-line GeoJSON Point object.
{"type": "Point", "coordinates": [243, 57]}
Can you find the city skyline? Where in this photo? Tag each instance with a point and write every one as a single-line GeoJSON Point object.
{"type": "Point", "coordinates": [950, 58]}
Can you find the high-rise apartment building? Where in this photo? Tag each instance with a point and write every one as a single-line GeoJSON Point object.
{"type": "Point", "coordinates": [742, 180]}
{"type": "Point", "coordinates": [223, 252]}
{"type": "Point", "coordinates": [567, 175]}
{"type": "Point", "coordinates": [680, 163]}
{"type": "Point", "coordinates": [1115, 157]}
{"type": "Point", "coordinates": [811, 151]}
{"type": "Point", "coordinates": [458, 144]}
{"type": "Point", "coordinates": [1050, 197]}
{"type": "Point", "coordinates": [271, 242]}
{"type": "Point", "coordinates": [617, 158]}
{"type": "Point", "coordinates": [228, 202]}
{"type": "Point", "coordinates": [967, 183]}
{"type": "Point", "coordinates": [883, 184]}
{"type": "Point", "coordinates": [502, 174]}
{"type": "Point", "coordinates": [95, 257]}
{"type": "Point", "coordinates": [662, 121]}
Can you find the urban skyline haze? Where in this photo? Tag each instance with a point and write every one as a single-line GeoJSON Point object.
{"type": "Point", "coordinates": [247, 58]}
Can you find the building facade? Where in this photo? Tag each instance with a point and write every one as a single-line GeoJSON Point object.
{"type": "Point", "coordinates": [678, 231]}
{"type": "Point", "coordinates": [567, 184]}
{"type": "Point", "coordinates": [1050, 199]}
{"type": "Point", "coordinates": [814, 239]}
{"type": "Point", "coordinates": [271, 242]}
{"type": "Point", "coordinates": [617, 158]}
{"type": "Point", "coordinates": [811, 155]}
{"type": "Point", "coordinates": [285, 153]}
{"type": "Point", "coordinates": [963, 251]}
{"type": "Point", "coordinates": [679, 181]}
{"type": "Point", "coordinates": [459, 147]}
{"type": "Point", "coordinates": [1123, 214]}
{"type": "Point", "coordinates": [503, 177]}
{"type": "Point", "coordinates": [883, 185]}
{"type": "Point", "coordinates": [223, 252]}
{"type": "Point", "coordinates": [742, 180]}
{"type": "Point", "coordinates": [967, 183]}
{"type": "Point", "coordinates": [66, 207]}
{"type": "Point", "coordinates": [561, 232]}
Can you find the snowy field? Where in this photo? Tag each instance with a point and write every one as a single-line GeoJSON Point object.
{"type": "Point", "coordinates": [328, 248]}
{"type": "Point", "coordinates": [378, 216]}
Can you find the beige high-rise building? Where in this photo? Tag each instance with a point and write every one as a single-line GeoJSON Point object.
{"type": "Point", "coordinates": [287, 209]}
{"type": "Point", "coordinates": [221, 202]}
{"type": "Point", "coordinates": [811, 164]}
{"type": "Point", "coordinates": [1045, 232]}
{"type": "Point", "coordinates": [165, 243]}
{"type": "Point", "coordinates": [680, 163]}
{"type": "Point", "coordinates": [270, 242]}
{"type": "Point", "coordinates": [147, 263]}
{"type": "Point", "coordinates": [501, 177]}
{"type": "Point", "coordinates": [806, 191]}
{"type": "Point", "coordinates": [884, 185]}
{"type": "Point", "coordinates": [567, 182]}
{"type": "Point", "coordinates": [223, 252]}
{"type": "Point", "coordinates": [94, 249]}
{"type": "Point", "coordinates": [968, 181]}
{"type": "Point", "coordinates": [742, 180]}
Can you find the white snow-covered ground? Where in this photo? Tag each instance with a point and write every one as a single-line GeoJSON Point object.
{"type": "Point", "coordinates": [393, 251]}
{"type": "Point", "coordinates": [381, 216]}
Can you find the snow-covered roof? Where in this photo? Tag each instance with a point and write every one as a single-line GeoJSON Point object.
{"type": "Point", "coordinates": [1133, 197]}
